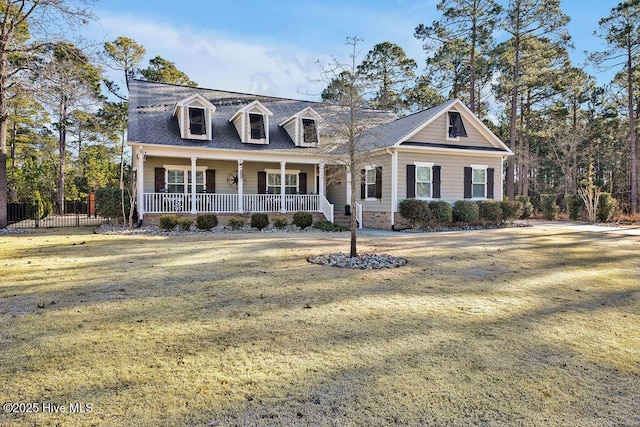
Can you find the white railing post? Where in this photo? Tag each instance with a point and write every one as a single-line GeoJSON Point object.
{"type": "Point", "coordinates": [140, 184]}
{"type": "Point", "coordinates": [240, 186]}
{"type": "Point", "coordinates": [283, 207]}
{"type": "Point", "coordinates": [194, 209]}
{"type": "Point", "coordinates": [359, 214]}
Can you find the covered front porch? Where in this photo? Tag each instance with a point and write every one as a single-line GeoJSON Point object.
{"type": "Point", "coordinates": [168, 182]}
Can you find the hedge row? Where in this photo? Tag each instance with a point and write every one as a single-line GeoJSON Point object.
{"type": "Point", "coordinates": [258, 220]}
{"type": "Point", "coordinates": [421, 213]}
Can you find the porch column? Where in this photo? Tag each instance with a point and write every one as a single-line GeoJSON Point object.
{"type": "Point", "coordinates": [322, 189]}
{"type": "Point", "coordinates": [348, 180]}
{"type": "Point", "coordinates": [283, 166]}
{"type": "Point", "coordinates": [240, 187]}
{"type": "Point", "coordinates": [193, 186]}
{"type": "Point", "coordinates": [140, 183]}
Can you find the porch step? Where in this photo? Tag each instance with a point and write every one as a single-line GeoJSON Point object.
{"type": "Point", "coordinates": [340, 218]}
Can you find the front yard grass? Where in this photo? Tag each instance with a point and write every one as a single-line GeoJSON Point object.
{"type": "Point", "coordinates": [524, 326]}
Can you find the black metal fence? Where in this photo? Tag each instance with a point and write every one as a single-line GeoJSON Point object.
{"type": "Point", "coordinates": [36, 214]}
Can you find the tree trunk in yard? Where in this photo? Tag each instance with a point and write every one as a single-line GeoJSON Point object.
{"type": "Point", "coordinates": [632, 135]}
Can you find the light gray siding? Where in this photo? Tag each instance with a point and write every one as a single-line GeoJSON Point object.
{"type": "Point", "coordinates": [452, 172]}
{"type": "Point", "coordinates": [437, 132]}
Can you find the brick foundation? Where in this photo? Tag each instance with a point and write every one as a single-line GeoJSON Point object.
{"type": "Point", "coordinates": [377, 220]}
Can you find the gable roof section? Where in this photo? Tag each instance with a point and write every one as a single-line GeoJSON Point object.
{"type": "Point", "coordinates": [255, 105]}
{"type": "Point", "coordinates": [400, 131]}
{"type": "Point", "coordinates": [195, 97]}
{"type": "Point", "coordinates": [306, 113]}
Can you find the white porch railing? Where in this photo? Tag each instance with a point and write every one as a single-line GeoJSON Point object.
{"type": "Point", "coordinates": [228, 203]}
{"type": "Point", "coordinates": [359, 214]}
{"type": "Point", "coordinates": [326, 208]}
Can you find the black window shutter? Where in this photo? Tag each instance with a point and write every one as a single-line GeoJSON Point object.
{"type": "Point", "coordinates": [467, 183]}
{"type": "Point", "coordinates": [490, 173]}
{"type": "Point", "coordinates": [210, 180]}
{"type": "Point", "coordinates": [262, 182]}
{"type": "Point", "coordinates": [363, 184]}
{"type": "Point", "coordinates": [411, 181]}
{"type": "Point", "coordinates": [159, 180]}
{"type": "Point", "coordinates": [379, 182]}
{"type": "Point", "coordinates": [436, 181]}
{"type": "Point", "coordinates": [302, 183]}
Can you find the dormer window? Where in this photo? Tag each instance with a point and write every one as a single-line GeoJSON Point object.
{"type": "Point", "coordinates": [302, 127]}
{"type": "Point", "coordinates": [252, 123]}
{"type": "Point", "coordinates": [310, 131]}
{"type": "Point", "coordinates": [256, 121]}
{"type": "Point", "coordinates": [456, 126]}
{"type": "Point", "coordinates": [194, 115]}
{"type": "Point", "coordinates": [196, 121]}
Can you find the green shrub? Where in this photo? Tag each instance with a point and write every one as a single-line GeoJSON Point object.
{"type": "Point", "coordinates": [206, 221]}
{"type": "Point", "coordinates": [415, 211]}
{"type": "Point", "coordinates": [490, 211]}
{"type": "Point", "coordinates": [35, 209]}
{"type": "Point", "coordinates": [325, 225]}
{"type": "Point", "coordinates": [548, 206]}
{"type": "Point", "coordinates": [511, 209]}
{"type": "Point", "coordinates": [259, 220]}
{"type": "Point", "coordinates": [280, 222]}
{"type": "Point", "coordinates": [185, 223]}
{"type": "Point", "coordinates": [440, 212]}
{"type": "Point", "coordinates": [236, 222]}
{"type": "Point", "coordinates": [527, 206]}
{"type": "Point", "coordinates": [575, 205]}
{"type": "Point", "coordinates": [168, 222]}
{"type": "Point", "coordinates": [109, 202]}
{"type": "Point", "coordinates": [607, 205]}
{"type": "Point", "coordinates": [465, 211]}
{"type": "Point", "coordinates": [302, 219]}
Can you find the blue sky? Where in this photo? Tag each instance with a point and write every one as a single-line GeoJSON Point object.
{"type": "Point", "coordinates": [273, 48]}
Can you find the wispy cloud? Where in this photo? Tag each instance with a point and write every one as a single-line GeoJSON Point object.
{"type": "Point", "coordinates": [221, 61]}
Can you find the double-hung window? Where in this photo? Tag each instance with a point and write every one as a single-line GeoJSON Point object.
{"type": "Point", "coordinates": [424, 180]}
{"type": "Point", "coordinates": [370, 183]}
{"type": "Point", "coordinates": [290, 183]}
{"type": "Point", "coordinates": [479, 182]}
{"type": "Point", "coordinates": [175, 181]}
{"type": "Point", "coordinates": [179, 180]}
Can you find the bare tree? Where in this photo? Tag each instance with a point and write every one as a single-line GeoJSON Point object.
{"type": "Point", "coordinates": [348, 125]}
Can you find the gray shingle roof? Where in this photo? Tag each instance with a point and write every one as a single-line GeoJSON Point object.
{"type": "Point", "coordinates": [151, 120]}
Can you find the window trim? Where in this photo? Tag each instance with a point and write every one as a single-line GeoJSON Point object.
{"type": "Point", "coordinates": [474, 168]}
{"type": "Point", "coordinates": [448, 122]}
{"type": "Point", "coordinates": [187, 170]}
{"type": "Point", "coordinates": [429, 165]}
{"type": "Point", "coordinates": [368, 197]}
{"type": "Point", "coordinates": [264, 126]}
{"type": "Point", "coordinates": [203, 124]}
{"type": "Point", "coordinates": [277, 172]}
{"type": "Point", "coordinates": [304, 134]}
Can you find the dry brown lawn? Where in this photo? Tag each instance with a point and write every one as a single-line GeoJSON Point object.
{"type": "Point", "coordinates": [531, 326]}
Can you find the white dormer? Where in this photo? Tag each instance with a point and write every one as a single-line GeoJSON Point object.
{"type": "Point", "coordinates": [302, 127]}
{"type": "Point", "coordinates": [194, 115]}
{"type": "Point", "coordinates": [252, 123]}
